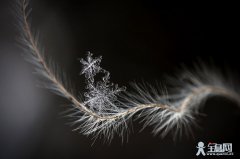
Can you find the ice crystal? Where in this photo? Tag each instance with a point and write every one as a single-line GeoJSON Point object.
{"type": "Point", "coordinates": [91, 66]}
{"type": "Point", "coordinates": [101, 96]}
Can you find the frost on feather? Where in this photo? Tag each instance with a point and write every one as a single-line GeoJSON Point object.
{"type": "Point", "coordinates": [101, 96]}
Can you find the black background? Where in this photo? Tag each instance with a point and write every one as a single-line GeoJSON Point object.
{"type": "Point", "coordinates": [140, 41]}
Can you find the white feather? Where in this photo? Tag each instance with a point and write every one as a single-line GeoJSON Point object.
{"type": "Point", "coordinates": [107, 110]}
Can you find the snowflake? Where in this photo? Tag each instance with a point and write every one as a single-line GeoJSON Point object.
{"type": "Point", "coordinates": [91, 66]}
{"type": "Point", "coordinates": [101, 96]}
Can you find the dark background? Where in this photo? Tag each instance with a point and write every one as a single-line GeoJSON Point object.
{"type": "Point", "coordinates": [139, 40]}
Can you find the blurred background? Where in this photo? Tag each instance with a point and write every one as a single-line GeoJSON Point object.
{"type": "Point", "coordinates": [140, 40]}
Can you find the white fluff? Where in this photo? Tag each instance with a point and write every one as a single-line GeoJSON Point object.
{"type": "Point", "coordinates": [107, 109]}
